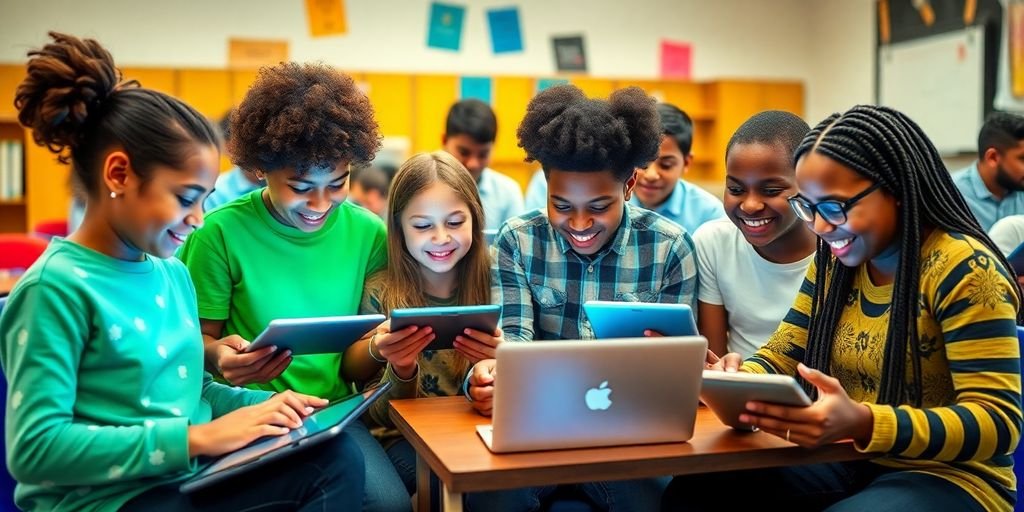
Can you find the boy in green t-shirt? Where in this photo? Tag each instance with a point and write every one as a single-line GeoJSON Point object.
{"type": "Point", "coordinates": [295, 248]}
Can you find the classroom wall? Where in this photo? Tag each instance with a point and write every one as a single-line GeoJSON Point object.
{"type": "Point", "coordinates": [842, 49]}
{"type": "Point", "coordinates": [824, 43]}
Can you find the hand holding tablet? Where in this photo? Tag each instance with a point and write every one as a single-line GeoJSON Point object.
{"type": "Point", "coordinates": [611, 319]}
{"type": "Point", "coordinates": [727, 393]}
{"type": "Point", "coordinates": [447, 322]}
{"type": "Point", "coordinates": [318, 335]}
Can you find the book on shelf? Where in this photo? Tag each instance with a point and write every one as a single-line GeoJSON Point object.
{"type": "Point", "coordinates": [12, 170]}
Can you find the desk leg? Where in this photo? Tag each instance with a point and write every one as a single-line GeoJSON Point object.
{"type": "Point", "coordinates": [452, 500]}
{"type": "Point", "coordinates": [422, 485]}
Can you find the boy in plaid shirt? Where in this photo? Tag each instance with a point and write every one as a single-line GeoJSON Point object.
{"type": "Point", "coordinates": [590, 245]}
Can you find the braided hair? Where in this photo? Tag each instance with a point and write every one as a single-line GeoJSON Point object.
{"type": "Point", "coordinates": [887, 147]}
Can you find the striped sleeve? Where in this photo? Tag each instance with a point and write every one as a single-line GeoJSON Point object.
{"type": "Point", "coordinates": [975, 303]}
{"type": "Point", "coordinates": [785, 348]}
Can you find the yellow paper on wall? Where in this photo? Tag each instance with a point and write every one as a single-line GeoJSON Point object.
{"type": "Point", "coordinates": [326, 17]}
{"type": "Point", "coordinates": [256, 53]}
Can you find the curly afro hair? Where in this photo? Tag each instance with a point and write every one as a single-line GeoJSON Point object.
{"type": "Point", "coordinates": [300, 117]}
{"type": "Point", "coordinates": [565, 130]}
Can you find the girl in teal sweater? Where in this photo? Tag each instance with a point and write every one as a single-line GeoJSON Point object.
{"type": "Point", "coordinates": [108, 405]}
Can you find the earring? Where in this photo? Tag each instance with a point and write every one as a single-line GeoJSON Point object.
{"type": "Point", "coordinates": [113, 195]}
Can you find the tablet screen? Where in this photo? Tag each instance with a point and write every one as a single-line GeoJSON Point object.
{"type": "Point", "coordinates": [315, 423]}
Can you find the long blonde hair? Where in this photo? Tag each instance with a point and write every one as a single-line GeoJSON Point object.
{"type": "Point", "coordinates": [401, 284]}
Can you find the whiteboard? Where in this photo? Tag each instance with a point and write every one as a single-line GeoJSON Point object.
{"type": "Point", "coordinates": [939, 82]}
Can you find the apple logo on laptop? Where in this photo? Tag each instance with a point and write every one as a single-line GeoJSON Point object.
{"type": "Point", "coordinates": [597, 398]}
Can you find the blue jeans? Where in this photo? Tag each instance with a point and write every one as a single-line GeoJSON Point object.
{"type": "Point", "coordinates": [385, 491]}
{"type": "Point", "coordinates": [403, 456]}
{"type": "Point", "coordinates": [642, 495]}
{"type": "Point", "coordinates": [324, 477]}
{"type": "Point", "coordinates": [839, 487]}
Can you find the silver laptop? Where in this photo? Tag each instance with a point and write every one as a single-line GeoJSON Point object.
{"type": "Point", "coordinates": [576, 394]}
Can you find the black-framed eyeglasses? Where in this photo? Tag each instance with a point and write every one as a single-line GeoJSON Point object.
{"type": "Point", "coordinates": [832, 211]}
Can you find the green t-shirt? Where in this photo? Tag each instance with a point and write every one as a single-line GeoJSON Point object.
{"type": "Point", "coordinates": [250, 269]}
{"type": "Point", "coordinates": [104, 364]}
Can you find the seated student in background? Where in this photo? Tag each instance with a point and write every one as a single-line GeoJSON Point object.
{"type": "Point", "coordinates": [592, 244]}
{"type": "Point", "coordinates": [751, 264]}
{"type": "Point", "coordinates": [437, 257]}
{"type": "Point", "coordinates": [469, 134]}
{"type": "Point", "coordinates": [916, 331]}
{"type": "Point", "coordinates": [369, 187]}
{"type": "Point", "coordinates": [1008, 233]}
{"type": "Point", "coordinates": [235, 182]}
{"type": "Point", "coordinates": [536, 192]}
{"type": "Point", "coordinates": [295, 248]}
{"type": "Point", "coordinates": [660, 186]}
{"type": "Point", "coordinates": [109, 406]}
{"type": "Point", "coordinates": [993, 186]}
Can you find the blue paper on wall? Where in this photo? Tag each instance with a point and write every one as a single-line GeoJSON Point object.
{"type": "Point", "coordinates": [506, 36]}
{"type": "Point", "coordinates": [544, 83]}
{"type": "Point", "coordinates": [475, 87]}
{"type": "Point", "coordinates": [445, 31]}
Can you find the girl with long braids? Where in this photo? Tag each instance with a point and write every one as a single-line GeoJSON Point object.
{"type": "Point", "coordinates": [904, 332]}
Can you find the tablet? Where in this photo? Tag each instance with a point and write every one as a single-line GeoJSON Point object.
{"type": "Point", "coordinates": [316, 428]}
{"type": "Point", "coordinates": [611, 319]}
{"type": "Point", "coordinates": [727, 393]}
{"type": "Point", "coordinates": [318, 335]}
{"type": "Point", "coordinates": [447, 322]}
{"type": "Point", "coordinates": [1016, 259]}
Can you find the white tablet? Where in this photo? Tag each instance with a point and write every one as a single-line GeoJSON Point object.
{"type": "Point", "coordinates": [318, 335]}
{"type": "Point", "coordinates": [727, 393]}
{"type": "Point", "coordinates": [316, 428]}
{"type": "Point", "coordinates": [610, 319]}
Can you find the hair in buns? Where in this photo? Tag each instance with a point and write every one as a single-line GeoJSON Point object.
{"type": "Point", "coordinates": [76, 104]}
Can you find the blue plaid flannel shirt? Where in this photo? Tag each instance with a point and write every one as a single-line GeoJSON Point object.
{"type": "Point", "coordinates": [542, 283]}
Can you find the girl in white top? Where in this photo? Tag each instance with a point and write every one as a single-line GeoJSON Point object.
{"type": "Point", "coordinates": [751, 264]}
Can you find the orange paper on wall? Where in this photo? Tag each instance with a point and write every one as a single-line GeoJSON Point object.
{"type": "Point", "coordinates": [255, 53]}
{"type": "Point", "coordinates": [1016, 45]}
{"type": "Point", "coordinates": [326, 17]}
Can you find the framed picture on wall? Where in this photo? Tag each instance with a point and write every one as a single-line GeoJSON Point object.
{"type": "Point", "coordinates": [569, 53]}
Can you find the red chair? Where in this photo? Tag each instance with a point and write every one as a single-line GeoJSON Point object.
{"type": "Point", "coordinates": [18, 251]}
{"type": "Point", "coordinates": [51, 228]}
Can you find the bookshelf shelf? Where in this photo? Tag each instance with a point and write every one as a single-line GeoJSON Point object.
{"type": "Point", "coordinates": [410, 106]}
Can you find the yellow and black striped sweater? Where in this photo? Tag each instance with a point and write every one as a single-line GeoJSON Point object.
{"type": "Point", "coordinates": [970, 420]}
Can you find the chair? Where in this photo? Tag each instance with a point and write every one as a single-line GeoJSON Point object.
{"type": "Point", "coordinates": [6, 481]}
{"type": "Point", "coordinates": [51, 228]}
{"type": "Point", "coordinates": [1018, 454]}
{"type": "Point", "coordinates": [19, 251]}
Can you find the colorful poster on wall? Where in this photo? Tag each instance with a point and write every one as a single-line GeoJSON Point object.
{"type": "Point", "coordinates": [569, 53]}
{"type": "Point", "coordinates": [326, 17]}
{"type": "Point", "coordinates": [676, 60]}
{"type": "Point", "coordinates": [1016, 45]}
{"type": "Point", "coordinates": [445, 30]}
{"type": "Point", "coordinates": [476, 87]}
{"type": "Point", "coordinates": [506, 36]}
{"type": "Point", "coordinates": [545, 83]}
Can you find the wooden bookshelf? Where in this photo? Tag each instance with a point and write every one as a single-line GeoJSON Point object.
{"type": "Point", "coordinates": [413, 106]}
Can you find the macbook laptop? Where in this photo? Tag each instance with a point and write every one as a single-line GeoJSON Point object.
{"type": "Point", "coordinates": [576, 394]}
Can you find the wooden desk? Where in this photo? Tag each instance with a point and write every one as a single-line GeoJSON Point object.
{"type": "Point", "coordinates": [443, 432]}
